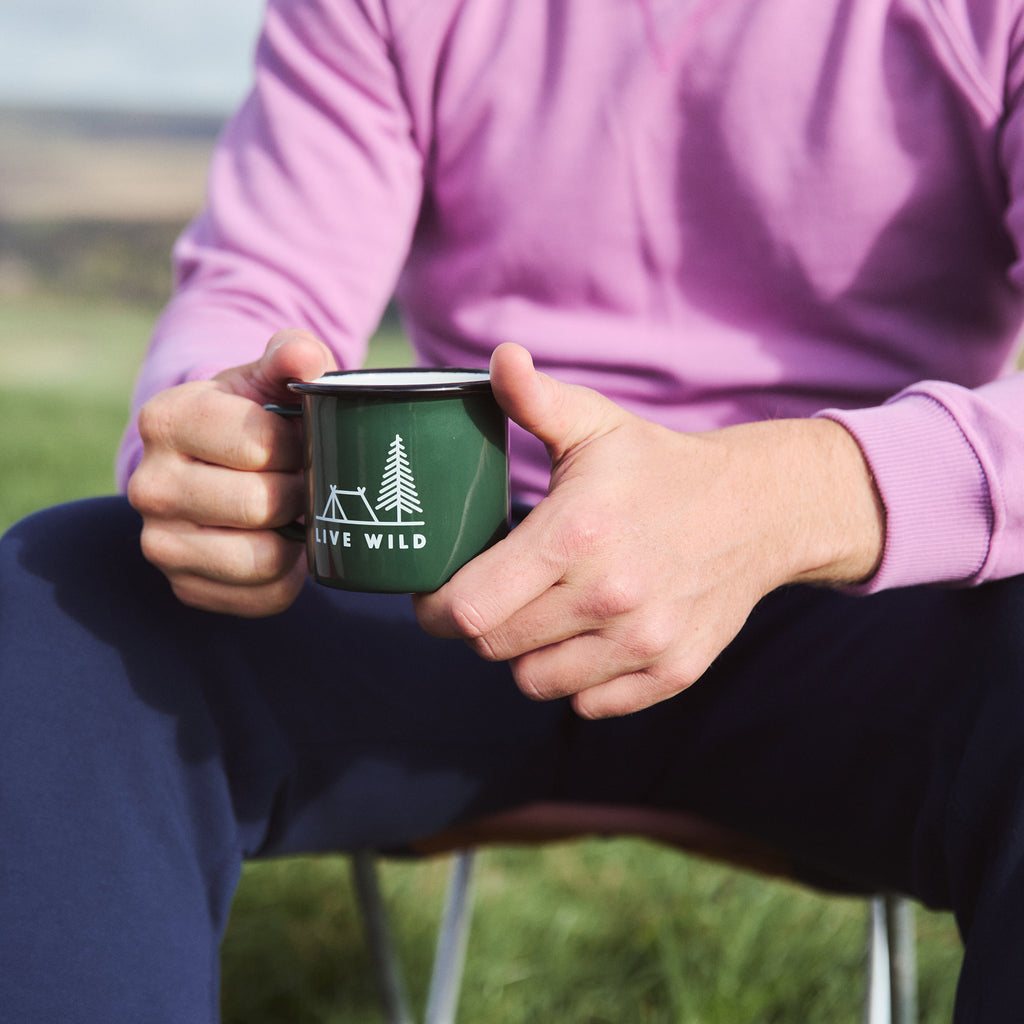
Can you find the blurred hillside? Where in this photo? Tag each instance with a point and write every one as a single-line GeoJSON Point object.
{"type": "Point", "coordinates": [90, 201]}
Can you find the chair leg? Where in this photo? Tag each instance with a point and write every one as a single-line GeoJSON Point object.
{"type": "Point", "coordinates": [385, 961]}
{"type": "Point", "coordinates": [450, 958]}
{"type": "Point", "coordinates": [902, 938]}
{"type": "Point", "coordinates": [892, 962]}
{"type": "Point", "coordinates": [450, 954]}
{"type": "Point", "coordinates": [878, 1003]}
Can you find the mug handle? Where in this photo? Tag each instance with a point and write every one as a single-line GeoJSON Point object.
{"type": "Point", "coordinates": [289, 410]}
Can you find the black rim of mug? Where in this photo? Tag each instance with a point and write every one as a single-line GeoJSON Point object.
{"type": "Point", "coordinates": [462, 379]}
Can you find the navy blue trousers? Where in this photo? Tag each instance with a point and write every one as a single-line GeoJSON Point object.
{"type": "Point", "coordinates": [146, 749]}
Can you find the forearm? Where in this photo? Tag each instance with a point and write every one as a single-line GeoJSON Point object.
{"type": "Point", "coordinates": [797, 497]}
{"type": "Point", "coordinates": [825, 513]}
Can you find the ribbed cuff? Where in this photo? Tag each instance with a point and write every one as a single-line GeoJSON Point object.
{"type": "Point", "coordinates": [936, 496]}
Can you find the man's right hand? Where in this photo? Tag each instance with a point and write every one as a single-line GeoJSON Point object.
{"type": "Point", "coordinates": [218, 474]}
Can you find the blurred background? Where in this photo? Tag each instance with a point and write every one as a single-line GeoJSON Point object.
{"type": "Point", "coordinates": [108, 112]}
{"type": "Point", "coordinates": [192, 55]}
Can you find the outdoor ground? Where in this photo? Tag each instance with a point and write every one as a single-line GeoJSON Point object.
{"type": "Point", "coordinates": [599, 932]}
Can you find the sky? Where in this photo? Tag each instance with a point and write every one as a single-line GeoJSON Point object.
{"type": "Point", "coordinates": [173, 55]}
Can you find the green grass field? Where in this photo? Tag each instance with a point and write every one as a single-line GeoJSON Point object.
{"type": "Point", "coordinates": [597, 932]}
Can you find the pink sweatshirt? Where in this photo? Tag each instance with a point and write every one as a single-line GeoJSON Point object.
{"type": "Point", "coordinates": [711, 211]}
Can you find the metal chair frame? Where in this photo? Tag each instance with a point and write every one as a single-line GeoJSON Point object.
{"type": "Point", "coordinates": [890, 998]}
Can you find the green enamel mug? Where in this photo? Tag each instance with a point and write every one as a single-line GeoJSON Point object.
{"type": "Point", "coordinates": [406, 475]}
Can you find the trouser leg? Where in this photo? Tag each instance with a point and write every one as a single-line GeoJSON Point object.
{"type": "Point", "coordinates": [146, 748]}
{"type": "Point", "coordinates": [122, 825]}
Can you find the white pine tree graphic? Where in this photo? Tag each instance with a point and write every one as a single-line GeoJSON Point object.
{"type": "Point", "coordinates": [397, 488]}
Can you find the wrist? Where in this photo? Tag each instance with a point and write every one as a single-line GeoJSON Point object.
{"type": "Point", "coordinates": [842, 511]}
{"type": "Point", "coordinates": [817, 516]}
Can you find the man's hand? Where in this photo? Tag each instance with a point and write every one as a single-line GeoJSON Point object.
{"type": "Point", "coordinates": [652, 547]}
{"type": "Point", "coordinates": [218, 473]}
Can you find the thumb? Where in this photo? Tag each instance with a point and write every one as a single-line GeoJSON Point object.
{"type": "Point", "coordinates": [561, 415]}
{"type": "Point", "coordinates": [290, 355]}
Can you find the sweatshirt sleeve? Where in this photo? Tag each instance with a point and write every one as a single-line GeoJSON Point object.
{"type": "Point", "coordinates": [313, 194]}
{"type": "Point", "coordinates": [948, 462]}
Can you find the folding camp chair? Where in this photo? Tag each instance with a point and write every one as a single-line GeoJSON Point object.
{"type": "Point", "coordinates": [890, 996]}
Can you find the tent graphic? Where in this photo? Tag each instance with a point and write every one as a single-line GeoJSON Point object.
{"type": "Point", "coordinates": [397, 495]}
{"type": "Point", "coordinates": [341, 503]}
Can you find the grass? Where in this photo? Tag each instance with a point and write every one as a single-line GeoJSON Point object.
{"type": "Point", "coordinates": [66, 372]}
{"type": "Point", "coordinates": [596, 932]}
{"type": "Point", "coordinates": [591, 932]}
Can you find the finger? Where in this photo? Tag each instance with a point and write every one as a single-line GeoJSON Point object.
{"type": "Point", "coordinates": [249, 558]}
{"type": "Point", "coordinates": [622, 642]}
{"type": "Point", "coordinates": [573, 606]}
{"type": "Point", "coordinates": [600, 676]}
{"type": "Point", "coordinates": [625, 695]}
{"type": "Point", "coordinates": [172, 488]}
{"type": "Point", "coordinates": [665, 664]}
{"type": "Point", "coordinates": [246, 601]}
{"type": "Point", "coordinates": [570, 666]}
{"type": "Point", "coordinates": [561, 415]}
{"type": "Point", "coordinates": [548, 619]}
{"type": "Point", "coordinates": [203, 422]}
{"type": "Point", "coordinates": [470, 606]}
{"type": "Point", "coordinates": [289, 355]}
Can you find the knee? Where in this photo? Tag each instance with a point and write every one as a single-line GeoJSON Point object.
{"type": "Point", "coordinates": [79, 532]}
{"type": "Point", "coordinates": [74, 572]}
{"type": "Point", "coordinates": [77, 553]}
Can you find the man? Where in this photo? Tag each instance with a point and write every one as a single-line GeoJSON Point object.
{"type": "Point", "coordinates": [765, 257]}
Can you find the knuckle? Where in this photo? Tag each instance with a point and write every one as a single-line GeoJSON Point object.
{"type": "Point", "coordinates": [668, 677]}
{"type": "Point", "coordinates": [529, 682]}
{"type": "Point", "coordinates": [486, 648]}
{"type": "Point", "coordinates": [616, 596]}
{"type": "Point", "coordinates": [587, 706]}
{"type": "Point", "coordinates": [160, 546]}
{"type": "Point", "coordinates": [584, 709]}
{"type": "Point", "coordinates": [581, 536]}
{"type": "Point", "coordinates": [272, 557]}
{"type": "Point", "coordinates": [653, 636]}
{"type": "Point", "coordinates": [469, 622]}
{"type": "Point", "coordinates": [193, 591]}
{"type": "Point", "coordinates": [250, 448]}
{"type": "Point", "coordinates": [155, 488]}
{"type": "Point", "coordinates": [685, 673]}
{"type": "Point", "coordinates": [157, 419]}
{"type": "Point", "coordinates": [654, 687]}
{"type": "Point", "coordinates": [140, 491]}
{"type": "Point", "coordinates": [643, 638]}
{"type": "Point", "coordinates": [249, 559]}
{"type": "Point", "coordinates": [261, 500]}
{"type": "Point", "coordinates": [252, 505]}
